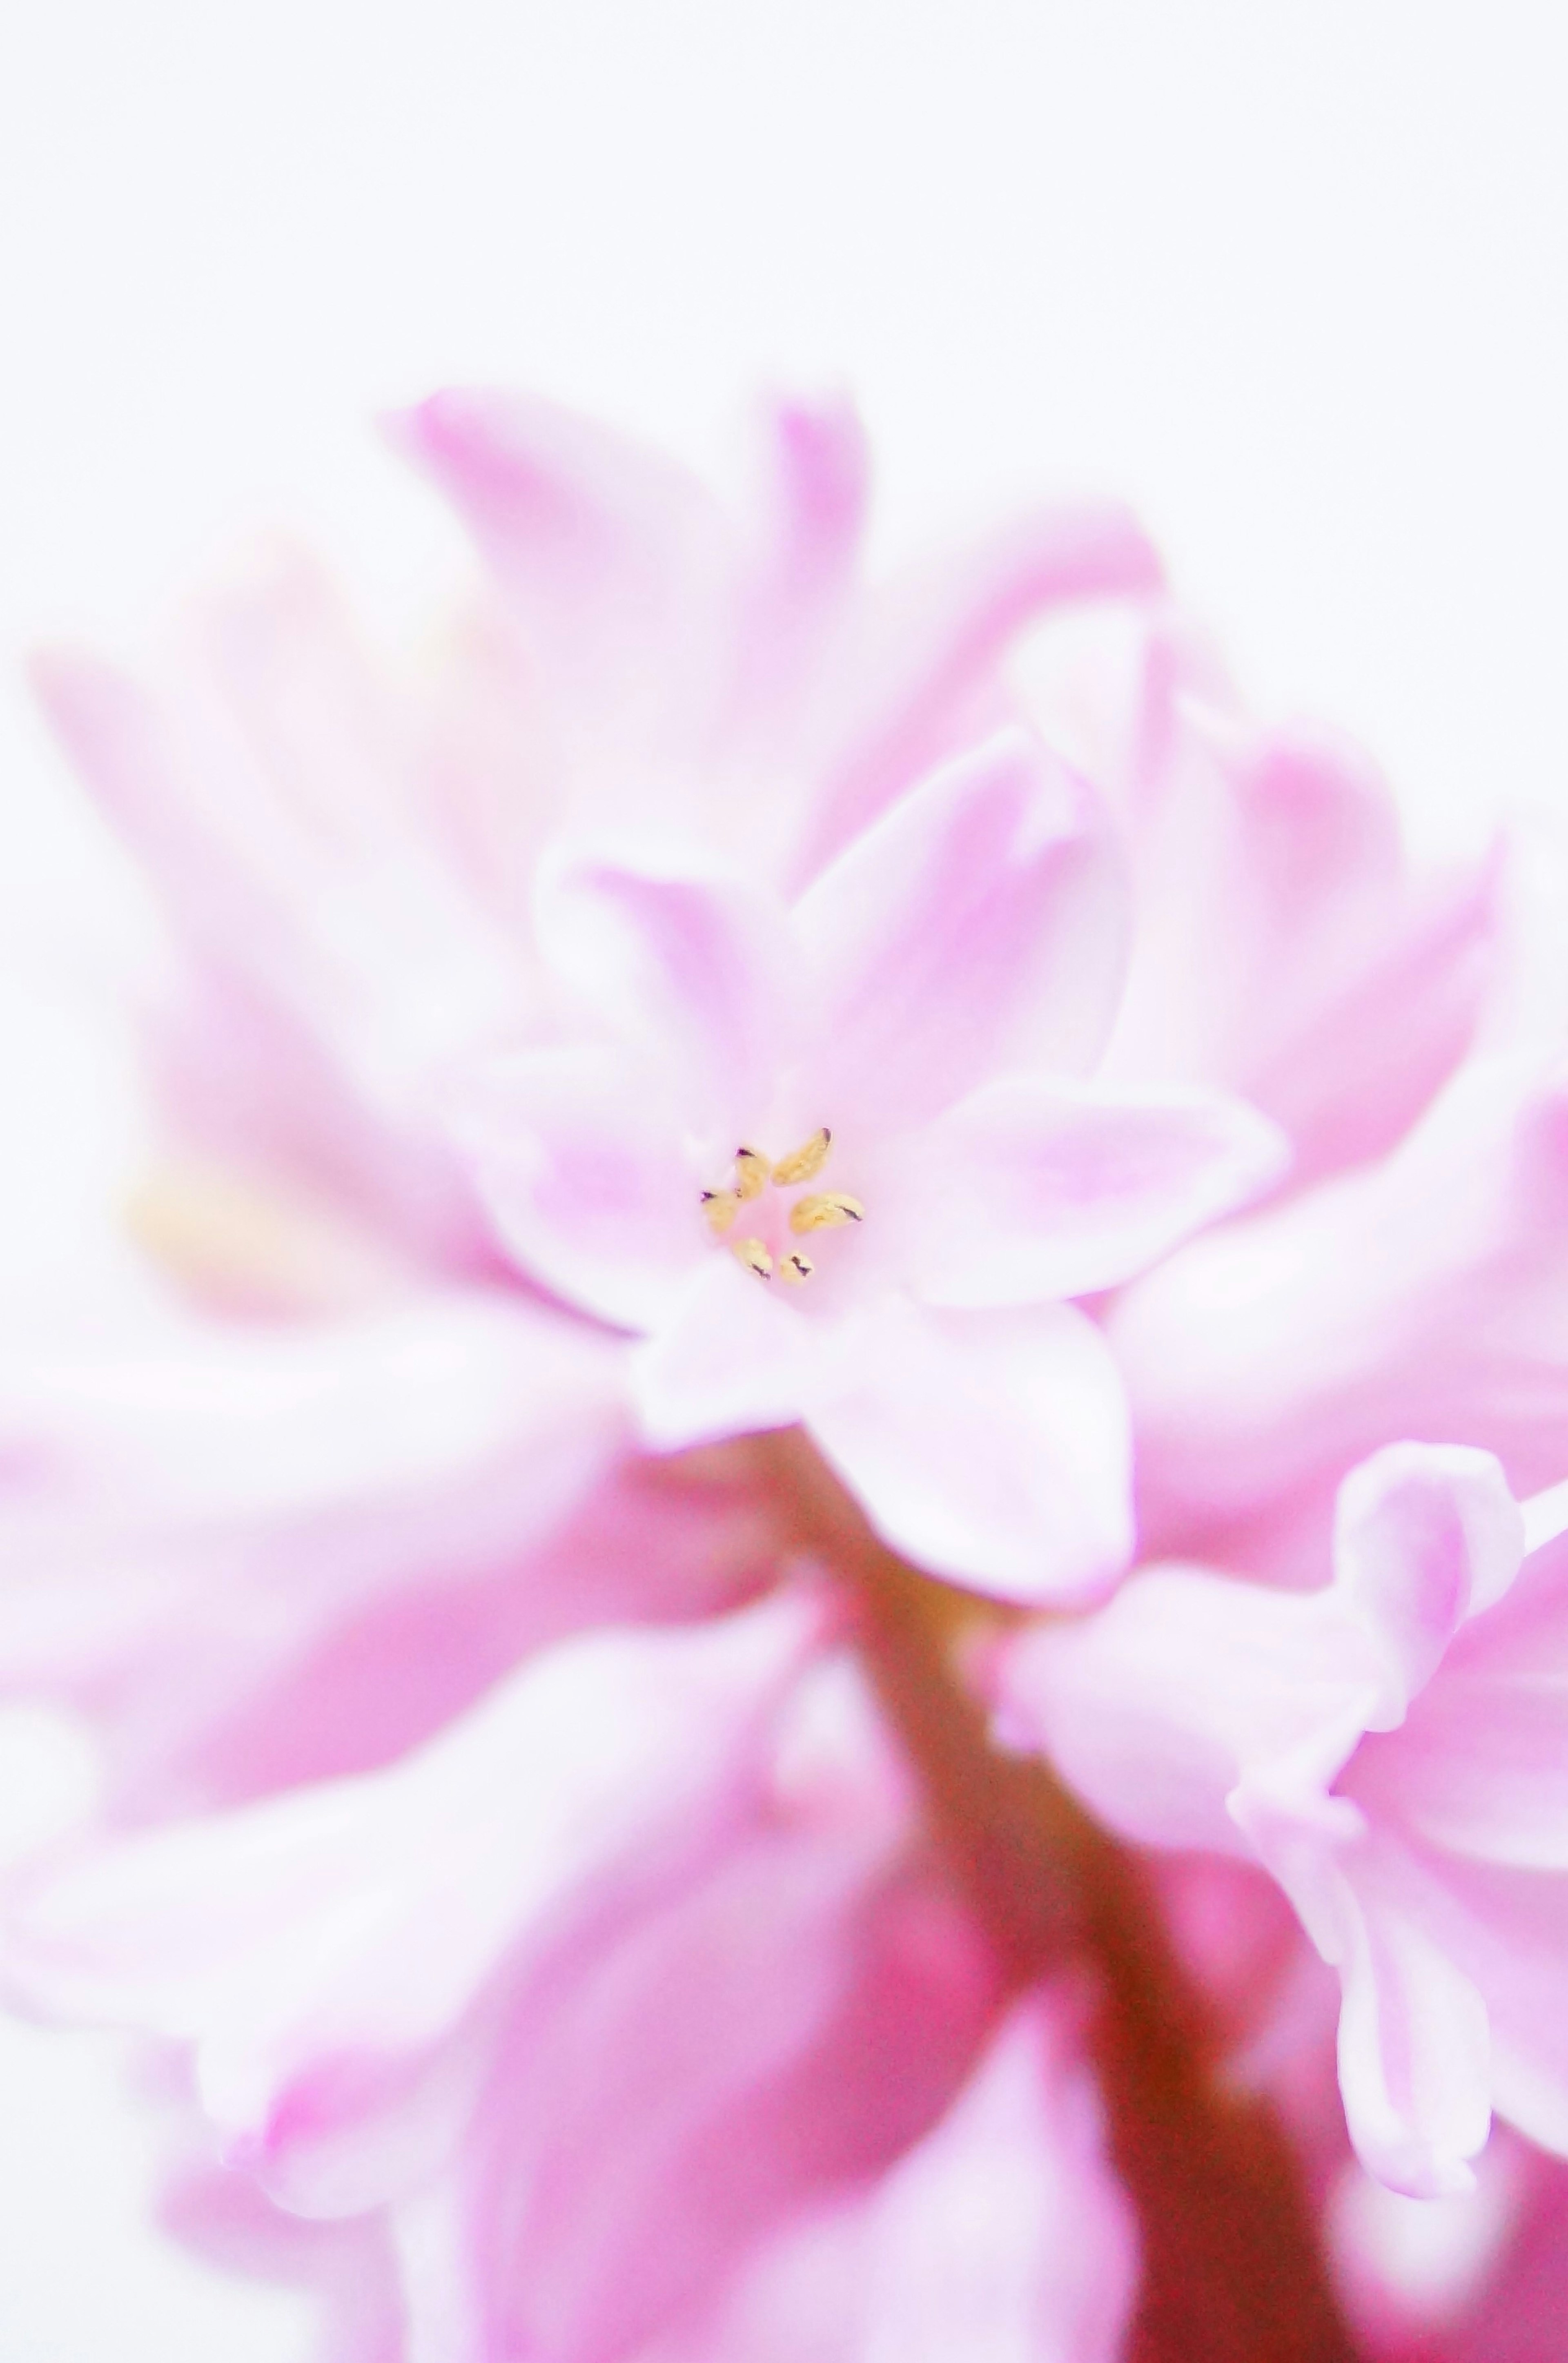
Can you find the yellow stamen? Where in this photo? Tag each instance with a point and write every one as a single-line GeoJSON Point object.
{"type": "Point", "coordinates": [756, 1258]}
{"type": "Point", "coordinates": [824, 1211]}
{"type": "Point", "coordinates": [721, 1206]}
{"type": "Point", "coordinates": [804, 1164]}
{"type": "Point", "coordinates": [752, 1171]}
{"type": "Point", "coordinates": [796, 1269]}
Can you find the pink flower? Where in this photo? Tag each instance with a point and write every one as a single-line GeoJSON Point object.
{"type": "Point", "coordinates": [1422, 1294]}
{"type": "Point", "coordinates": [836, 1163]}
{"type": "Point", "coordinates": [1284, 944]}
{"type": "Point", "coordinates": [263, 1554]}
{"type": "Point", "coordinates": [1390, 1748]}
{"type": "Point", "coordinates": [634, 2011]}
{"type": "Point", "coordinates": [345, 853]}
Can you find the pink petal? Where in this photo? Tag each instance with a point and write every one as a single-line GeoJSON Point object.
{"type": "Point", "coordinates": [339, 910]}
{"type": "Point", "coordinates": [586, 1178]}
{"type": "Point", "coordinates": [731, 1359]}
{"type": "Point", "coordinates": [1031, 1189]}
{"type": "Point", "coordinates": [977, 927]}
{"type": "Point", "coordinates": [1285, 948]}
{"type": "Point", "coordinates": [694, 970]}
{"type": "Point", "coordinates": [1414, 2054]}
{"type": "Point", "coordinates": [321, 1948]}
{"type": "Point", "coordinates": [1425, 1535]}
{"type": "Point", "coordinates": [1155, 1707]}
{"type": "Point", "coordinates": [1000, 2234]}
{"type": "Point", "coordinates": [1421, 1296]}
{"type": "Point", "coordinates": [991, 1447]}
{"type": "Point", "coordinates": [1477, 1770]}
{"type": "Point", "coordinates": [615, 559]}
{"type": "Point", "coordinates": [923, 679]}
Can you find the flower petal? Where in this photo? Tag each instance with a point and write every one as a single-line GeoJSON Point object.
{"type": "Point", "coordinates": [615, 559]}
{"type": "Point", "coordinates": [976, 926]}
{"type": "Point", "coordinates": [992, 1448]}
{"type": "Point", "coordinates": [730, 1361]}
{"type": "Point", "coordinates": [193, 1514]}
{"type": "Point", "coordinates": [1032, 1189]}
{"type": "Point", "coordinates": [324, 1950]}
{"type": "Point", "coordinates": [1424, 1535]}
{"type": "Point", "coordinates": [1414, 2053]}
{"type": "Point", "coordinates": [1155, 1706]}
{"type": "Point", "coordinates": [694, 970]}
{"type": "Point", "coordinates": [922, 678]}
{"type": "Point", "coordinates": [1002, 2234]}
{"type": "Point", "coordinates": [587, 1180]}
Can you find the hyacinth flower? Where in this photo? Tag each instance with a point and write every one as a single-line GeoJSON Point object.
{"type": "Point", "coordinates": [1420, 1293]}
{"type": "Point", "coordinates": [693, 1039]}
{"type": "Point", "coordinates": [344, 855]}
{"type": "Point", "coordinates": [1390, 1747]}
{"type": "Point", "coordinates": [719, 1938]}
{"type": "Point", "coordinates": [1283, 944]}
{"type": "Point", "coordinates": [838, 1164]}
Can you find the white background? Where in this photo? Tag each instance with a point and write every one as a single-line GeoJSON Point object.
{"type": "Point", "coordinates": [1289, 273]}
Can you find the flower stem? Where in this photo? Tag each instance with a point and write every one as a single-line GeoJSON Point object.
{"type": "Point", "coordinates": [1232, 2267]}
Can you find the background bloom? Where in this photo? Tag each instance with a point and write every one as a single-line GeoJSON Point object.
{"type": "Point", "coordinates": [1388, 1747]}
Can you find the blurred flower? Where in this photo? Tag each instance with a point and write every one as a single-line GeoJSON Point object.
{"type": "Point", "coordinates": [1391, 1748]}
{"type": "Point", "coordinates": [547, 1847]}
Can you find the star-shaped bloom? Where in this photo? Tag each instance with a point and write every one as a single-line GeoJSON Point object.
{"type": "Point", "coordinates": [837, 1161]}
{"type": "Point", "coordinates": [1391, 1748]}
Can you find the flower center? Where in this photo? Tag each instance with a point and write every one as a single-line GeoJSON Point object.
{"type": "Point", "coordinates": [813, 1210]}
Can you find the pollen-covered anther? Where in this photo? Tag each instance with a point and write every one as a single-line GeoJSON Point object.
{"type": "Point", "coordinates": [804, 1164]}
{"type": "Point", "coordinates": [796, 1269]}
{"type": "Point", "coordinates": [752, 1171]}
{"type": "Point", "coordinates": [754, 1256]}
{"type": "Point", "coordinates": [721, 1207]}
{"type": "Point", "coordinates": [824, 1210]}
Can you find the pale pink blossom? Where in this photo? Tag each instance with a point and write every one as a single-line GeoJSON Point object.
{"type": "Point", "coordinates": [1424, 1293]}
{"type": "Point", "coordinates": [837, 1161]}
{"type": "Point", "coordinates": [345, 852]}
{"type": "Point", "coordinates": [1284, 942]}
{"type": "Point", "coordinates": [267, 1553]}
{"type": "Point", "coordinates": [635, 2013]}
{"type": "Point", "coordinates": [1390, 1747]}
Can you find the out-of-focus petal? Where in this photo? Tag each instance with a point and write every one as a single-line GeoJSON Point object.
{"type": "Point", "coordinates": [1002, 2234]}
{"type": "Point", "coordinates": [585, 1173]}
{"type": "Point", "coordinates": [695, 970]}
{"type": "Point", "coordinates": [977, 927]}
{"type": "Point", "coordinates": [319, 1950]}
{"type": "Point", "coordinates": [615, 562]}
{"type": "Point", "coordinates": [991, 1447]}
{"type": "Point", "coordinates": [781, 2030]}
{"type": "Point", "coordinates": [1425, 1295]}
{"type": "Point", "coordinates": [1032, 1189]}
{"type": "Point", "coordinates": [346, 917]}
{"type": "Point", "coordinates": [922, 678]}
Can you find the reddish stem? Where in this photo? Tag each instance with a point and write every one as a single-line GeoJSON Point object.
{"type": "Point", "coordinates": [1233, 2269]}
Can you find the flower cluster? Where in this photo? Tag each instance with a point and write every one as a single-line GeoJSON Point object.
{"type": "Point", "coordinates": [821, 1504]}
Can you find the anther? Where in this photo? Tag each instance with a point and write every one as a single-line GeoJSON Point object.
{"type": "Point", "coordinates": [756, 1258]}
{"type": "Point", "coordinates": [752, 1171]}
{"type": "Point", "coordinates": [796, 1268]}
{"type": "Point", "coordinates": [804, 1164]}
{"type": "Point", "coordinates": [721, 1207]}
{"type": "Point", "coordinates": [824, 1211]}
